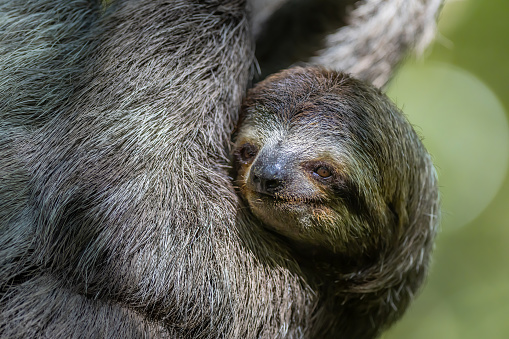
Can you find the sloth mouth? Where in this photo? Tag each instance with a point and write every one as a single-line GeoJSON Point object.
{"type": "Point", "coordinates": [279, 199]}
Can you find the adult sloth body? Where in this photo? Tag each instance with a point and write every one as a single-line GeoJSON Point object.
{"type": "Point", "coordinates": [117, 216]}
{"type": "Point", "coordinates": [128, 222]}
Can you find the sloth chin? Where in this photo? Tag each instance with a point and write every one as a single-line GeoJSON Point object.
{"type": "Point", "coordinates": [290, 216]}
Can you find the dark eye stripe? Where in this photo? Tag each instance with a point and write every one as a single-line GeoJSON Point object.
{"type": "Point", "coordinates": [351, 194]}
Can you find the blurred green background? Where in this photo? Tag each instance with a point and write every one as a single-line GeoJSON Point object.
{"type": "Point", "coordinates": [457, 96]}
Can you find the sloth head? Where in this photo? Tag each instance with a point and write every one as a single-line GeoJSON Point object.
{"type": "Point", "coordinates": [326, 160]}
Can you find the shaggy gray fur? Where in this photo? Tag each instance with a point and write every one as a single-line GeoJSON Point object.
{"type": "Point", "coordinates": [117, 217]}
{"type": "Point", "coordinates": [370, 47]}
{"type": "Point", "coordinates": [373, 38]}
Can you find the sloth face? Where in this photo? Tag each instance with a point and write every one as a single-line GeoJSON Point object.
{"type": "Point", "coordinates": [326, 160]}
{"type": "Point", "coordinates": [294, 180]}
{"type": "Point", "coordinates": [299, 178]}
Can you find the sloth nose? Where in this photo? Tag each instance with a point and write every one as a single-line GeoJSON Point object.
{"type": "Point", "coordinates": [267, 179]}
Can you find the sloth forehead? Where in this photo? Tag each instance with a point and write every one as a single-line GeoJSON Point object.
{"type": "Point", "coordinates": [307, 139]}
{"type": "Point", "coordinates": [306, 126]}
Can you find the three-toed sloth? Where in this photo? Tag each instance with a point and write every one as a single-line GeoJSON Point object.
{"type": "Point", "coordinates": [333, 169]}
{"type": "Point", "coordinates": [118, 217]}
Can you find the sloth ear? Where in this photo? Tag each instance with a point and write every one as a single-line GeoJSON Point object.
{"type": "Point", "coordinates": [367, 41]}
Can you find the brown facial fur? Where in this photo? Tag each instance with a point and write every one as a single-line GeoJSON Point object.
{"type": "Point", "coordinates": [376, 209]}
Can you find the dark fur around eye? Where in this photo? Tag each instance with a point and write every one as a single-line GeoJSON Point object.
{"type": "Point", "coordinates": [338, 184]}
{"type": "Point", "coordinates": [246, 153]}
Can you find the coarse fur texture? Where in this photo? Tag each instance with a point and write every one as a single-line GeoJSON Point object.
{"type": "Point", "coordinates": [372, 40]}
{"type": "Point", "coordinates": [405, 25]}
{"type": "Point", "coordinates": [117, 215]}
{"type": "Point", "coordinates": [332, 165]}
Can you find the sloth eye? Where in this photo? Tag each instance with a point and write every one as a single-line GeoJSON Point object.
{"type": "Point", "coordinates": [248, 152]}
{"type": "Point", "coordinates": [323, 172]}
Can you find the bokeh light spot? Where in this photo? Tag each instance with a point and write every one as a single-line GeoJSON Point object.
{"type": "Point", "coordinates": [464, 128]}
